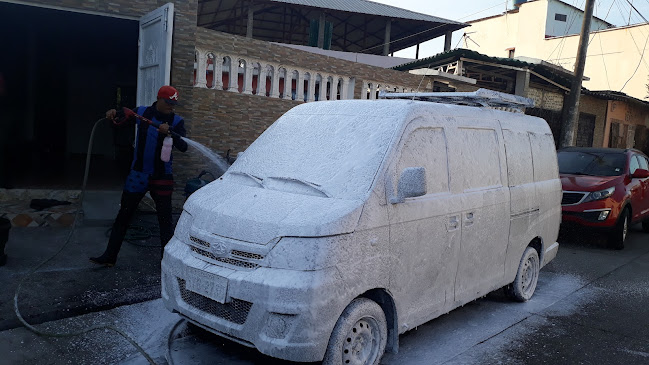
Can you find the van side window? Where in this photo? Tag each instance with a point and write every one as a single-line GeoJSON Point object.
{"type": "Point", "coordinates": [478, 160]}
{"type": "Point", "coordinates": [633, 164]}
{"type": "Point", "coordinates": [519, 158]}
{"type": "Point", "coordinates": [426, 147]}
{"type": "Point", "coordinates": [545, 164]}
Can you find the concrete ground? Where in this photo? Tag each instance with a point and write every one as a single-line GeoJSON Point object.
{"type": "Point", "coordinates": [589, 308]}
{"type": "Point", "coordinates": [70, 284]}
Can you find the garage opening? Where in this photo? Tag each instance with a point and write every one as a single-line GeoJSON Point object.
{"type": "Point", "coordinates": [59, 72]}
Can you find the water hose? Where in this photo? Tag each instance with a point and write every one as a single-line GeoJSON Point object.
{"type": "Point", "coordinates": [31, 272]}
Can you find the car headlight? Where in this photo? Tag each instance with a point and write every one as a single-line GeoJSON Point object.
{"type": "Point", "coordinates": [599, 195]}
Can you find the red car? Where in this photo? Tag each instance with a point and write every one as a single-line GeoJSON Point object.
{"type": "Point", "coordinates": [604, 188]}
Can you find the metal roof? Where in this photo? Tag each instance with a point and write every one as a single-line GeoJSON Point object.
{"type": "Point", "coordinates": [614, 95]}
{"type": "Point", "coordinates": [552, 72]}
{"type": "Point", "coordinates": [350, 25]}
{"type": "Point", "coordinates": [368, 7]}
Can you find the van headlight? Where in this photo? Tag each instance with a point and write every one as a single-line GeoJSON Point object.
{"type": "Point", "coordinates": [599, 195]}
{"type": "Point", "coordinates": [310, 253]}
{"type": "Point", "coordinates": [183, 226]}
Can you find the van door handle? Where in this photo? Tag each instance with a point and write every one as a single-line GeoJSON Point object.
{"type": "Point", "coordinates": [453, 223]}
{"type": "Point", "coordinates": [468, 219]}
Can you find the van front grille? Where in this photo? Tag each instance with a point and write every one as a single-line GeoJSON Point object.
{"type": "Point", "coordinates": [225, 260]}
{"type": "Point", "coordinates": [199, 241]}
{"type": "Point", "coordinates": [236, 311]}
{"type": "Point", "coordinates": [571, 198]}
{"type": "Point", "coordinates": [248, 255]}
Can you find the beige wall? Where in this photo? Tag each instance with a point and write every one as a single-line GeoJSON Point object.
{"type": "Point", "coordinates": [613, 54]}
{"type": "Point", "coordinates": [627, 116]}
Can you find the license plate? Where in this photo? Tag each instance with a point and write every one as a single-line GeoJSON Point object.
{"type": "Point", "coordinates": [209, 285]}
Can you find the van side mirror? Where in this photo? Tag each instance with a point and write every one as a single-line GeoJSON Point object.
{"type": "Point", "coordinates": [412, 183]}
{"type": "Point", "coordinates": [640, 174]}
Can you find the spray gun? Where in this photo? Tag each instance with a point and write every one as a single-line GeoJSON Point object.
{"type": "Point", "coordinates": [129, 113]}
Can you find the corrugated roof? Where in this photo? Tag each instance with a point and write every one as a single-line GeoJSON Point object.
{"type": "Point", "coordinates": [553, 72]}
{"type": "Point", "coordinates": [614, 95]}
{"type": "Point", "coordinates": [368, 7]}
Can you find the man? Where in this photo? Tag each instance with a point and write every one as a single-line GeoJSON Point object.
{"type": "Point", "coordinates": [148, 171]}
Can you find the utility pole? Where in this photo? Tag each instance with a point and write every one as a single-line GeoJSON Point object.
{"type": "Point", "coordinates": [571, 106]}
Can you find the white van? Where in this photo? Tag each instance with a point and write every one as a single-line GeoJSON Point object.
{"type": "Point", "coordinates": [347, 223]}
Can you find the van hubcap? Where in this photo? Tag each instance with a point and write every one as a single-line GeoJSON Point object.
{"type": "Point", "coordinates": [530, 270]}
{"type": "Point", "coordinates": [361, 345]}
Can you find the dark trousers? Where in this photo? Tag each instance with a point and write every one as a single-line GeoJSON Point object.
{"type": "Point", "coordinates": [130, 202]}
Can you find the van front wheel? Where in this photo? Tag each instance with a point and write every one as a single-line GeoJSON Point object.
{"type": "Point", "coordinates": [359, 336]}
{"type": "Point", "coordinates": [527, 276]}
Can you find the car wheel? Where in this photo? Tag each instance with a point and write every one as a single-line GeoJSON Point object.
{"type": "Point", "coordinates": [527, 276]}
{"type": "Point", "coordinates": [359, 336]}
{"type": "Point", "coordinates": [619, 233]}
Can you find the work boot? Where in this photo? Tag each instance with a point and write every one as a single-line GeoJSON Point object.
{"type": "Point", "coordinates": [103, 260]}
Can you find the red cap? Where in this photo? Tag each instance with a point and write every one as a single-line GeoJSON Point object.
{"type": "Point", "coordinates": [169, 94]}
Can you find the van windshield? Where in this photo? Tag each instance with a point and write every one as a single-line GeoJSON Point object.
{"type": "Point", "coordinates": [591, 163]}
{"type": "Point", "coordinates": [328, 155]}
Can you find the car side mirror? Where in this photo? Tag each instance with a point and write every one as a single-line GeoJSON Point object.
{"type": "Point", "coordinates": [412, 183]}
{"type": "Point", "coordinates": [640, 174]}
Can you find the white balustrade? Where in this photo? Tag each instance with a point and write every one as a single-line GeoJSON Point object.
{"type": "Point", "coordinates": [273, 73]}
{"type": "Point", "coordinates": [201, 77]}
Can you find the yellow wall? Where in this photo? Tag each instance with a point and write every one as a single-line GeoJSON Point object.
{"type": "Point", "coordinates": [613, 54]}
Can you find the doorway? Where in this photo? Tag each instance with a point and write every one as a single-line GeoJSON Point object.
{"type": "Point", "coordinates": [64, 70]}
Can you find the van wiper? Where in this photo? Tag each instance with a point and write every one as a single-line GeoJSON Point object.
{"type": "Point", "coordinates": [250, 176]}
{"type": "Point", "coordinates": [304, 182]}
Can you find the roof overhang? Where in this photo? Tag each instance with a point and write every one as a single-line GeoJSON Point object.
{"type": "Point", "coordinates": [494, 72]}
{"type": "Point", "coordinates": [358, 25]}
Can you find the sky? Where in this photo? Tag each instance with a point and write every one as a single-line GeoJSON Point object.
{"type": "Point", "coordinates": [617, 12]}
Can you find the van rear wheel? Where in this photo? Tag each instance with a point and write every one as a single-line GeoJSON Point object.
{"type": "Point", "coordinates": [359, 336]}
{"type": "Point", "coordinates": [522, 288]}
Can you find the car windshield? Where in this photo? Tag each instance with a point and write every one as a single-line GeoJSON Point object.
{"type": "Point", "coordinates": [332, 153]}
{"type": "Point", "coordinates": [591, 163]}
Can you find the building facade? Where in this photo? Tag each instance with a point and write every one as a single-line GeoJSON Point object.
{"type": "Point", "coordinates": [614, 60]}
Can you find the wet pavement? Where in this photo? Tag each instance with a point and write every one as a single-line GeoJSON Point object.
{"type": "Point", "coordinates": [70, 284]}
{"type": "Point", "coordinates": [589, 308]}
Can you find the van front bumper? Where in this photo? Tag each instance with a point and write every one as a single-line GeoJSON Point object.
{"type": "Point", "coordinates": [286, 314]}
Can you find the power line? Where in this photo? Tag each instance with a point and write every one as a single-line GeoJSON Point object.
{"type": "Point", "coordinates": [643, 48]}
{"type": "Point", "coordinates": [430, 29]}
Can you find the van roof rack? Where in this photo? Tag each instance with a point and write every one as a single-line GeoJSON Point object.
{"type": "Point", "coordinates": [480, 97]}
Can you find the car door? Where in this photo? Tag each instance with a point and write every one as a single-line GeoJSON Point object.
{"type": "Point", "coordinates": [477, 161]}
{"type": "Point", "coordinates": [643, 211]}
{"type": "Point", "coordinates": [425, 230]}
{"type": "Point", "coordinates": [636, 187]}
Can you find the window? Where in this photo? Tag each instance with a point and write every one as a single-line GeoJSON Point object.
{"type": "Point", "coordinates": [426, 147]}
{"type": "Point", "coordinates": [643, 162]}
{"type": "Point", "coordinates": [519, 158]}
{"type": "Point", "coordinates": [560, 17]}
{"type": "Point", "coordinates": [478, 164]}
{"type": "Point", "coordinates": [545, 163]}
{"type": "Point", "coordinates": [633, 164]}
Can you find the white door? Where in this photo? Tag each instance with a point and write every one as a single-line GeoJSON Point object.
{"type": "Point", "coordinates": [424, 231]}
{"type": "Point", "coordinates": [154, 55]}
{"type": "Point", "coordinates": [477, 159]}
